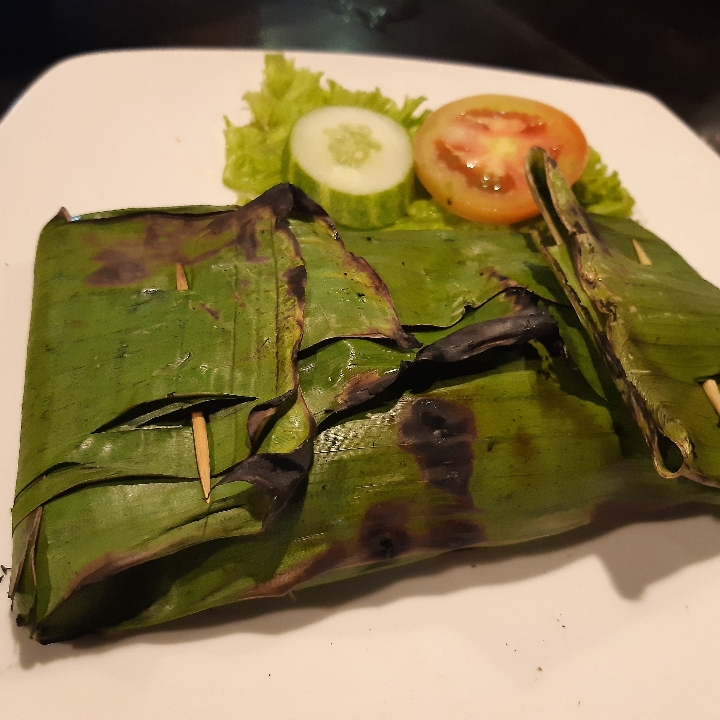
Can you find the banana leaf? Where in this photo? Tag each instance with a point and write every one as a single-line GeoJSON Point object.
{"type": "Point", "coordinates": [425, 391]}
{"type": "Point", "coordinates": [653, 319]}
{"type": "Point", "coordinates": [434, 275]}
{"type": "Point", "coordinates": [170, 516]}
{"type": "Point", "coordinates": [344, 294]}
{"type": "Point", "coordinates": [118, 357]}
{"type": "Point", "coordinates": [341, 375]}
{"type": "Point", "coordinates": [516, 448]}
{"type": "Point", "coordinates": [113, 343]}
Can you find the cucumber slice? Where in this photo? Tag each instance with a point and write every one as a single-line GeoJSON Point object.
{"type": "Point", "coordinates": [356, 163]}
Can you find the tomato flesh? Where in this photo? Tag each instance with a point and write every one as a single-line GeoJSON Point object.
{"type": "Point", "coordinates": [470, 154]}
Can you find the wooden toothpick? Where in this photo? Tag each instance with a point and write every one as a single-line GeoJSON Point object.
{"type": "Point", "coordinates": [199, 426]}
{"type": "Point", "coordinates": [711, 390]}
{"type": "Point", "coordinates": [180, 279]}
{"type": "Point", "coordinates": [202, 452]}
{"type": "Point", "coordinates": [642, 256]}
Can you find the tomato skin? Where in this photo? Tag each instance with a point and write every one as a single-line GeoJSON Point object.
{"type": "Point", "coordinates": [470, 154]}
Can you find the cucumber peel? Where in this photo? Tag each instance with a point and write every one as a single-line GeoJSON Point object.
{"type": "Point", "coordinates": [354, 162]}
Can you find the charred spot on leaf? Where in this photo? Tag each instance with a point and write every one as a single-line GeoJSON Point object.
{"type": "Point", "coordinates": [263, 413]}
{"type": "Point", "coordinates": [165, 238]}
{"type": "Point", "coordinates": [455, 533]}
{"type": "Point", "coordinates": [383, 533]}
{"type": "Point", "coordinates": [303, 204]}
{"type": "Point", "coordinates": [238, 299]}
{"type": "Point", "coordinates": [296, 278]}
{"type": "Point", "coordinates": [440, 434]}
{"type": "Point", "coordinates": [278, 198]}
{"type": "Point", "coordinates": [503, 281]}
{"type": "Point", "coordinates": [524, 446]}
{"type": "Point", "coordinates": [117, 270]}
{"type": "Point", "coordinates": [283, 583]}
{"type": "Point", "coordinates": [362, 388]}
{"type": "Point", "coordinates": [357, 265]}
{"type": "Point", "coordinates": [279, 475]}
{"type": "Point", "coordinates": [246, 239]}
{"type": "Point", "coordinates": [213, 313]}
{"type": "Point", "coordinates": [529, 323]}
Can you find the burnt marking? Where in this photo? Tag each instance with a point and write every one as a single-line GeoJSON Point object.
{"type": "Point", "coordinates": [455, 533]}
{"type": "Point", "coordinates": [238, 299]}
{"type": "Point", "coordinates": [169, 239]}
{"type": "Point", "coordinates": [190, 238]}
{"type": "Point", "coordinates": [263, 412]}
{"type": "Point", "coordinates": [282, 584]}
{"type": "Point", "coordinates": [383, 534]}
{"type": "Point", "coordinates": [440, 434]}
{"type": "Point", "coordinates": [473, 340]}
{"type": "Point", "coordinates": [505, 282]}
{"type": "Point", "coordinates": [296, 278]}
{"type": "Point", "coordinates": [247, 240]}
{"type": "Point", "coordinates": [358, 265]}
{"type": "Point", "coordinates": [524, 447]}
{"type": "Point", "coordinates": [117, 269]}
{"type": "Point", "coordinates": [362, 388]}
{"type": "Point", "coordinates": [278, 475]}
{"type": "Point", "coordinates": [304, 206]}
{"type": "Point", "coordinates": [213, 313]}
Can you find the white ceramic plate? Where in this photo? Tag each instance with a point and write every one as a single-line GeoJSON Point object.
{"type": "Point", "coordinates": [622, 625]}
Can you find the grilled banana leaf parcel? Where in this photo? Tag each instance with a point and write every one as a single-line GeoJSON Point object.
{"type": "Point", "coordinates": [653, 318]}
{"type": "Point", "coordinates": [365, 401]}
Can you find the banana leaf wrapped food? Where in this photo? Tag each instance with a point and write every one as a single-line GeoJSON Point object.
{"type": "Point", "coordinates": [368, 400]}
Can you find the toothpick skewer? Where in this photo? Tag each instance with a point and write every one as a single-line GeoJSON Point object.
{"type": "Point", "coordinates": [711, 390]}
{"type": "Point", "coordinates": [199, 426]}
{"type": "Point", "coordinates": [202, 452]}
{"type": "Point", "coordinates": [643, 258]}
{"type": "Point", "coordinates": [180, 279]}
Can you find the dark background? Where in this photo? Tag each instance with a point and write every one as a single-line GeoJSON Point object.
{"type": "Point", "coordinates": [671, 50]}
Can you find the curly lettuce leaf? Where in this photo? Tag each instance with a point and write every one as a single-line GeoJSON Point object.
{"type": "Point", "coordinates": [255, 152]}
{"type": "Point", "coordinates": [600, 191]}
{"type": "Point", "coordinates": [425, 214]}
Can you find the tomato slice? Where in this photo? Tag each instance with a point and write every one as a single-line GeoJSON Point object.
{"type": "Point", "coordinates": [470, 154]}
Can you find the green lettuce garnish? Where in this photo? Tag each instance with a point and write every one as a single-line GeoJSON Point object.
{"type": "Point", "coordinates": [600, 191]}
{"type": "Point", "coordinates": [256, 152]}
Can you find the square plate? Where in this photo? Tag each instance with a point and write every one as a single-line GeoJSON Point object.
{"type": "Point", "coordinates": [616, 625]}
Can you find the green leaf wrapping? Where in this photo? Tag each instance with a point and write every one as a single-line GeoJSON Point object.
{"type": "Point", "coordinates": [371, 401]}
{"type": "Point", "coordinates": [110, 332]}
{"type": "Point", "coordinates": [434, 275]}
{"type": "Point", "coordinates": [657, 326]}
{"type": "Point", "coordinates": [526, 451]}
{"type": "Point", "coordinates": [119, 357]}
